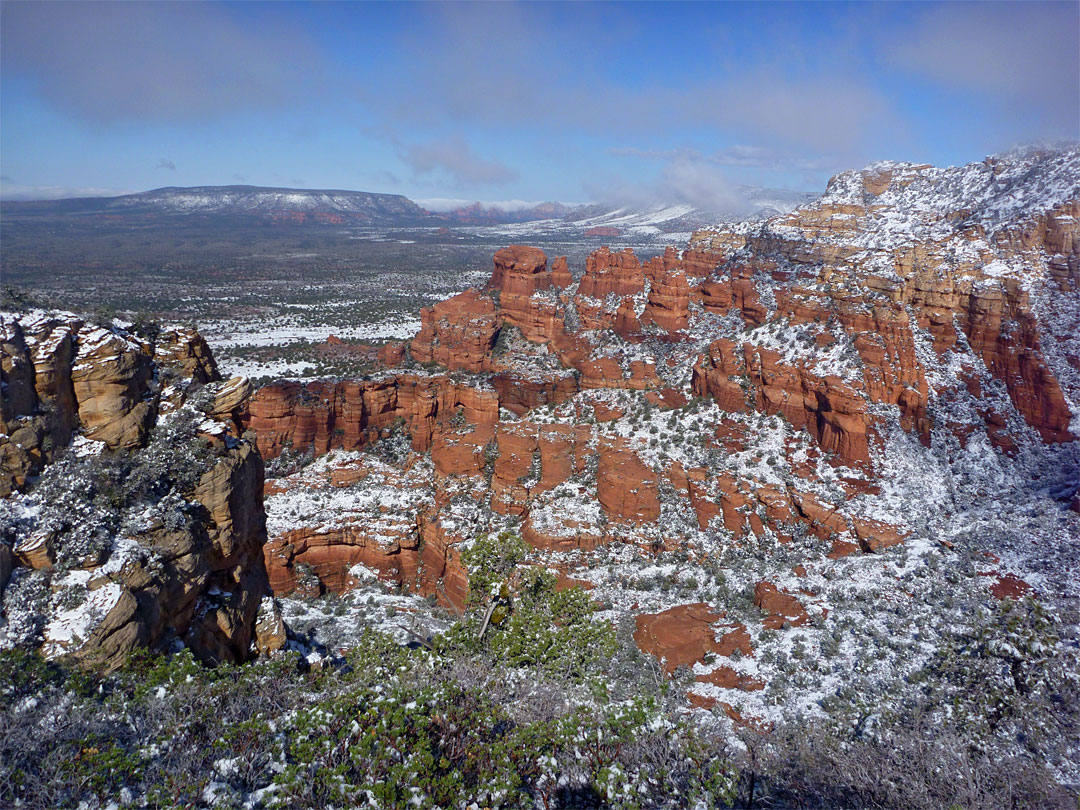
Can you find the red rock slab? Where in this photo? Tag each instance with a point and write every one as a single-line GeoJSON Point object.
{"type": "Point", "coordinates": [1009, 586]}
{"type": "Point", "coordinates": [667, 398]}
{"type": "Point", "coordinates": [732, 435]}
{"type": "Point", "coordinates": [822, 517]}
{"type": "Point", "coordinates": [842, 548]}
{"type": "Point", "coordinates": [574, 535]}
{"type": "Point", "coordinates": [442, 573]}
{"type": "Point", "coordinates": [876, 536]}
{"type": "Point", "coordinates": [461, 453]}
{"type": "Point", "coordinates": [701, 701]}
{"type": "Point", "coordinates": [727, 678]}
{"type": "Point", "coordinates": [565, 583]}
{"type": "Point", "coordinates": [626, 487]}
{"type": "Point", "coordinates": [330, 554]}
{"type": "Point", "coordinates": [783, 609]}
{"type": "Point", "coordinates": [392, 354]}
{"type": "Point", "coordinates": [682, 635]}
{"type": "Point", "coordinates": [737, 639]}
{"type": "Point", "coordinates": [607, 413]}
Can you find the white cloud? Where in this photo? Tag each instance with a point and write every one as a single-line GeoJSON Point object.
{"type": "Point", "coordinates": [156, 61]}
{"type": "Point", "coordinates": [519, 83]}
{"type": "Point", "coordinates": [456, 158]}
{"type": "Point", "coordinates": [15, 192]}
{"type": "Point", "coordinates": [1024, 56]}
{"type": "Point", "coordinates": [738, 156]}
{"type": "Point", "coordinates": [442, 204]}
{"type": "Point", "coordinates": [684, 178]}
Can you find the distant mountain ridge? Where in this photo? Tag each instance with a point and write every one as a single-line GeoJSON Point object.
{"type": "Point", "coordinates": [258, 199]}
{"type": "Point", "coordinates": [343, 207]}
{"type": "Point", "coordinates": [327, 206]}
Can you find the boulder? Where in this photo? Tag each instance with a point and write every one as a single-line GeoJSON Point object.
{"type": "Point", "coordinates": [271, 634]}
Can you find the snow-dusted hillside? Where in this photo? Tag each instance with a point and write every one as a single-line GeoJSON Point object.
{"type": "Point", "coordinates": [662, 223]}
{"type": "Point", "coordinates": [845, 432]}
{"type": "Point", "coordinates": [257, 200]}
{"type": "Point", "coordinates": [822, 468]}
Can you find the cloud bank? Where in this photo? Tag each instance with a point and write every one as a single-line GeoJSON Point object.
{"type": "Point", "coordinates": [455, 157]}
{"type": "Point", "coordinates": [755, 91]}
{"type": "Point", "coordinates": [18, 193]}
{"type": "Point", "coordinates": [157, 62]}
{"type": "Point", "coordinates": [1024, 56]}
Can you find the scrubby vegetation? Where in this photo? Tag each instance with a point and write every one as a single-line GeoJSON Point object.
{"type": "Point", "coordinates": [83, 501]}
{"type": "Point", "coordinates": [547, 708]}
{"type": "Point", "coordinates": [518, 718]}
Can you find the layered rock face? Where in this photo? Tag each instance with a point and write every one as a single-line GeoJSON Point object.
{"type": "Point", "coordinates": [352, 511]}
{"type": "Point", "coordinates": [786, 408]}
{"type": "Point", "coordinates": [457, 333]}
{"type": "Point", "coordinates": [347, 415]}
{"type": "Point", "coordinates": [151, 527]}
{"type": "Point", "coordinates": [59, 372]}
{"type": "Point", "coordinates": [922, 265]}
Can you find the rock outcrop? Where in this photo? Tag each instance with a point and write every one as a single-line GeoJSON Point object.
{"type": "Point", "coordinates": [945, 257]}
{"type": "Point", "coordinates": [59, 371]}
{"type": "Point", "coordinates": [153, 530]}
{"type": "Point", "coordinates": [686, 634]}
{"type": "Point", "coordinates": [323, 416]}
{"type": "Point", "coordinates": [778, 392]}
{"type": "Point", "coordinates": [457, 333]}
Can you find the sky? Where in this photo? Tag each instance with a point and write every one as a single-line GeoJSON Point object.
{"type": "Point", "coordinates": [516, 102]}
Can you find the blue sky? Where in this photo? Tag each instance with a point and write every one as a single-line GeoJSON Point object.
{"type": "Point", "coordinates": [632, 102]}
